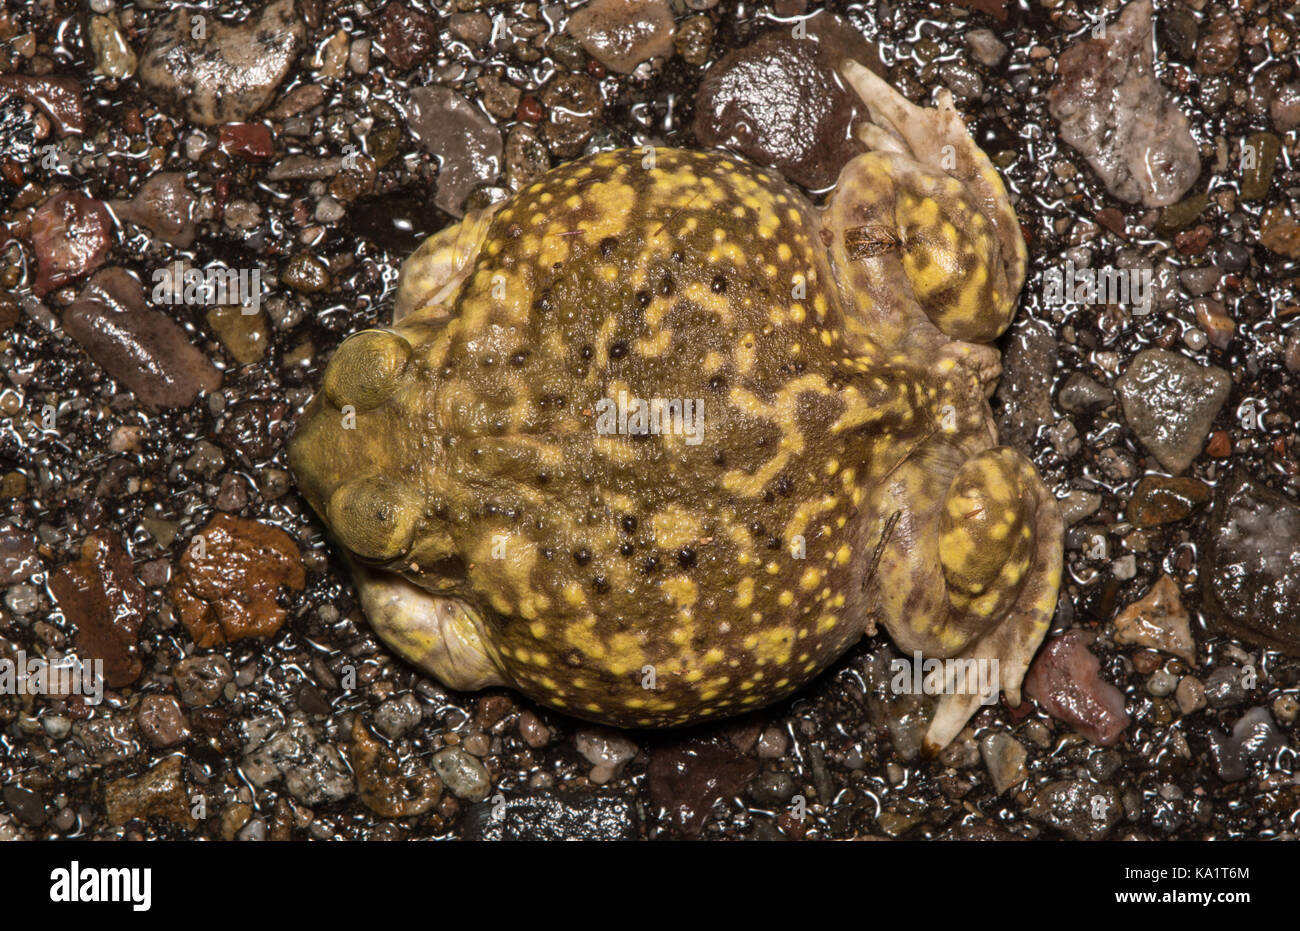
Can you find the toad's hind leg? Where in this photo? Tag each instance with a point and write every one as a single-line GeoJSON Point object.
{"type": "Point", "coordinates": [969, 572]}
{"type": "Point", "coordinates": [440, 634]}
{"type": "Point", "coordinates": [960, 243]}
{"type": "Point", "coordinates": [433, 273]}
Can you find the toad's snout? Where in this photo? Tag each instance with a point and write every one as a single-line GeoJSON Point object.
{"type": "Point", "coordinates": [343, 454]}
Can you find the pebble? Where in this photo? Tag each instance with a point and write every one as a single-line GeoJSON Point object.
{"type": "Point", "coordinates": [620, 34]}
{"type": "Point", "coordinates": [694, 40]}
{"type": "Point", "coordinates": [1158, 621]}
{"type": "Point", "coordinates": [687, 777]}
{"type": "Point", "coordinates": [533, 731]}
{"type": "Point", "coordinates": [773, 743]}
{"type": "Point", "coordinates": [987, 48]}
{"type": "Point", "coordinates": [772, 788]}
{"type": "Point", "coordinates": [1219, 46]}
{"type": "Point", "coordinates": [226, 588]}
{"type": "Point", "coordinates": [60, 99]}
{"type": "Point", "coordinates": [963, 81]}
{"type": "Point", "coordinates": [1114, 110]}
{"type": "Point", "coordinates": [200, 680]}
{"type": "Point", "coordinates": [1252, 550]}
{"type": "Point", "coordinates": [306, 274]}
{"type": "Point", "coordinates": [541, 816]}
{"type": "Point", "coordinates": [71, 236]}
{"type": "Point", "coordinates": [607, 750]}
{"type": "Point", "coordinates": [164, 206]}
{"type": "Point", "coordinates": [1225, 686]}
{"type": "Point", "coordinates": [1005, 757]}
{"type": "Point", "coordinates": [56, 725]}
{"type": "Point", "coordinates": [28, 806]}
{"type": "Point", "coordinates": [1284, 109]}
{"type": "Point", "coordinates": [113, 55]}
{"type": "Point", "coordinates": [1083, 395]}
{"type": "Point", "coordinates": [1079, 505]}
{"type": "Point", "coordinates": [1024, 392]}
{"type": "Point", "coordinates": [359, 56]}
{"type": "Point", "coordinates": [387, 786]}
{"type": "Point", "coordinates": [777, 102]}
{"type": "Point", "coordinates": [242, 216]}
{"type": "Point", "coordinates": [1279, 232]}
{"type": "Point", "coordinates": [249, 141]}
{"type": "Point", "coordinates": [406, 36]}
{"type": "Point", "coordinates": [1170, 402]}
{"type": "Point", "coordinates": [465, 142]}
{"type": "Point", "coordinates": [1286, 708]}
{"type": "Point", "coordinates": [232, 495]}
{"type": "Point", "coordinates": [292, 750]}
{"type": "Point", "coordinates": [474, 28]}
{"type": "Point", "coordinates": [161, 721]}
{"type": "Point", "coordinates": [1257, 174]}
{"type": "Point", "coordinates": [1190, 695]}
{"type": "Point", "coordinates": [572, 107]}
{"type": "Point", "coordinates": [141, 347]}
{"type": "Point", "coordinates": [101, 597]}
{"type": "Point", "coordinates": [22, 599]}
{"type": "Point", "coordinates": [463, 775]}
{"type": "Point", "coordinates": [1161, 683]}
{"type": "Point", "coordinates": [242, 335]}
{"type": "Point", "coordinates": [526, 157]}
{"type": "Point", "coordinates": [397, 716]}
{"type": "Point", "coordinates": [1160, 499]}
{"type": "Point", "coordinates": [1254, 738]}
{"type": "Point", "coordinates": [159, 792]}
{"type": "Point", "coordinates": [227, 75]}
{"type": "Point", "coordinates": [297, 100]}
{"type": "Point", "coordinates": [1078, 808]}
{"type": "Point", "coordinates": [500, 97]}
{"type": "Point", "coordinates": [1064, 679]}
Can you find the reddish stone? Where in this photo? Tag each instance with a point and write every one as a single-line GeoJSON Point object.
{"type": "Point", "coordinates": [58, 98]}
{"type": "Point", "coordinates": [1194, 240]}
{"type": "Point", "coordinates": [247, 140]}
{"type": "Point", "coordinates": [1113, 220]}
{"type": "Point", "coordinates": [1065, 680]}
{"type": "Point", "coordinates": [100, 595]}
{"type": "Point", "coordinates": [407, 36]}
{"type": "Point", "coordinates": [227, 582]}
{"type": "Point", "coordinates": [1220, 445]}
{"type": "Point", "coordinates": [70, 234]}
{"type": "Point", "coordinates": [529, 110]}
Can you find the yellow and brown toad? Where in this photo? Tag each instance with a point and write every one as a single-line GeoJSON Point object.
{"type": "Point", "coordinates": [843, 472]}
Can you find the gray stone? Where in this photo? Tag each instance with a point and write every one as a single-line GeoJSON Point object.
{"type": "Point", "coordinates": [1170, 402]}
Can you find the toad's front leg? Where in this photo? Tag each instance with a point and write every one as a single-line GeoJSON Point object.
{"type": "Point", "coordinates": [968, 569]}
{"type": "Point", "coordinates": [441, 634]}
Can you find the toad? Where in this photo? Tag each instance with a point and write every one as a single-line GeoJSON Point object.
{"type": "Point", "coordinates": [657, 439]}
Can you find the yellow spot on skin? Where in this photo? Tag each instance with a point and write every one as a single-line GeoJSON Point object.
{"type": "Point", "coordinates": [681, 590]}
{"type": "Point", "coordinates": [675, 527]}
{"type": "Point", "coordinates": [745, 592]}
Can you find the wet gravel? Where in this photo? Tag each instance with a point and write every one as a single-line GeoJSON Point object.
{"type": "Point", "coordinates": [149, 519]}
